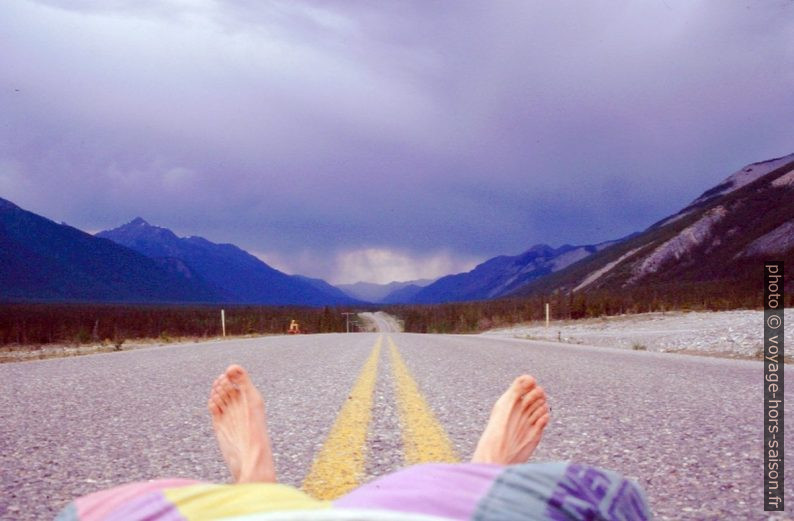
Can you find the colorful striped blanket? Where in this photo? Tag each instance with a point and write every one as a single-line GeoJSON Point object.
{"type": "Point", "coordinates": [555, 491]}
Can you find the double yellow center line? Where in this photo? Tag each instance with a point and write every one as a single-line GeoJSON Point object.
{"type": "Point", "coordinates": [424, 439]}
{"type": "Point", "coordinates": [340, 465]}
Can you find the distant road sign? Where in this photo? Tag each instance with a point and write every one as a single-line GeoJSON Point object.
{"type": "Point", "coordinates": [294, 329]}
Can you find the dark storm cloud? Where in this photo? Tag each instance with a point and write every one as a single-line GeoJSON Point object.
{"type": "Point", "coordinates": [328, 136]}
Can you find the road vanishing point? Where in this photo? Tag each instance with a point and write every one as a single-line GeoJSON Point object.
{"type": "Point", "coordinates": [346, 408]}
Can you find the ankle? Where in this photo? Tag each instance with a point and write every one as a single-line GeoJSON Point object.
{"type": "Point", "coordinates": [257, 475]}
{"type": "Point", "coordinates": [258, 467]}
{"type": "Point", "coordinates": [483, 454]}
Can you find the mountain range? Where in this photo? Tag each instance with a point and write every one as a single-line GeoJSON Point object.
{"type": "Point", "coordinates": [717, 241]}
{"type": "Point", "coordinates": [43, 260]}
{"type": "Point", "coordinates": [234, 274]}
{"type": "Point", "coordinates": [501, 275]}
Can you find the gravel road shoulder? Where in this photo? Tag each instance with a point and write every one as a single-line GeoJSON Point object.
{"type": "Point", "coordinates": [723, 333]}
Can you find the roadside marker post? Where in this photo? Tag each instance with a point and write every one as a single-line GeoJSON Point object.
{"type": "Point", "coordinates": [347, 321]}
{"type": "Point", "coordinates": [547, 314]}
{"type": "Point", "coordinates": [223, 321]}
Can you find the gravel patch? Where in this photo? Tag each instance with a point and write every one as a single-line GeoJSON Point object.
{"type": "Point", "coordinates": [26, 353]}
{"type": "Point", "coordinates": [722, 332]}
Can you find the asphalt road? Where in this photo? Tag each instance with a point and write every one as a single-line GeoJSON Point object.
{"type": "Point", "coordinates": [381, 321]}
{"type": "Point", "coordinates": [687, 428]}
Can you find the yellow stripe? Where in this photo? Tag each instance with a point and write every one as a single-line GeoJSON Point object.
{"type": "Point", "coordinates": [424, 439]}
{"type": "Point", "coordinates": [339, 466]}
{"type": "Point", "coordinates": [200, 502]}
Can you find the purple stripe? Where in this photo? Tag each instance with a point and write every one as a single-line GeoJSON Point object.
{"type": "Point", "coordinates": [149, 507]}
{"type": "Point", "coordinates": [445, 490]}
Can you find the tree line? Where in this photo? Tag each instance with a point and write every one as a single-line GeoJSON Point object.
{"type": "Point", "coordinates": [49, 323]}
{"type": "Point", "coordinates": [473, 317]}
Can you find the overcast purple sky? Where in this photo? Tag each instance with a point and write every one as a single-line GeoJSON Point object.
{"type": "Point", "coordinates": [387, 140]}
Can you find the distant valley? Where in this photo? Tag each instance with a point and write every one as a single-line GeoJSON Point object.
{"type": "Point", "coordinates": [391, 293]}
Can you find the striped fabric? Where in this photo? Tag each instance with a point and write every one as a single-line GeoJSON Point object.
{"type": "Point", "coordinates": [542, 491]}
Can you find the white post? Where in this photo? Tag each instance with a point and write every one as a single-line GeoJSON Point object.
{"type": "Point", "coordinates": [547, 314]}
{"type": "Point", "coordinates": [347, 321]}
{"type": "Point", "coordinates": [223, 321]}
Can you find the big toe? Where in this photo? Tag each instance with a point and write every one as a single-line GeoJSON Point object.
{"type": "Point", "coordinates": [237, 375]}
{"type": "Point", "coordinates": [242, 381]}
{"type": "Point", "coordinates": [523, 384]}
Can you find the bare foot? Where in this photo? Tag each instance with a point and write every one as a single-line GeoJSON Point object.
{"type": "Point", "coordinates": [238, 417]}
{"type": "Point", "coordinates": [516, 424]}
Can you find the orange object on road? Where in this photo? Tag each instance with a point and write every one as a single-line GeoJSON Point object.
{"type": "Point", "coordinates": [294, 329]}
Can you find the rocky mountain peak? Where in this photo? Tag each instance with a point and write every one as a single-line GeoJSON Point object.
{"type": "Point", "coordinates": [138, 221]}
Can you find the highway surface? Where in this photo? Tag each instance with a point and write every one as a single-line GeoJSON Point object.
{"type": "Point", "coordinates": [687, 428]}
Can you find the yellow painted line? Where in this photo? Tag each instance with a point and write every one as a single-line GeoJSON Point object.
{"type": "Point", "coordinates": [424, 439]}
{"type": "Point", "coordinates": [340, 464]}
